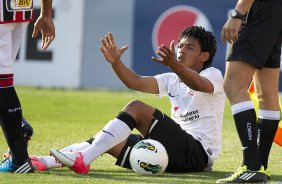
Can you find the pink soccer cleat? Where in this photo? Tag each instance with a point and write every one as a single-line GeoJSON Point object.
{"type": "Point", "coordinates": [38, 163]}
{"type": "Point", "coordinates": [72, 160]}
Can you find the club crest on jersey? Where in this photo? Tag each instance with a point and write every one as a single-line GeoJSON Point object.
{"type": "Point", "coordinates": [191, 92]}
{"type": "Point", "coordinates": [17, 5]}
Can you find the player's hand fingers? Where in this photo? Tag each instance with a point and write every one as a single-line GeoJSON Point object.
{"type": "Point", "coordinates": [44, 42]}
{"type": "Point", "coordinates": [123, 49]}
{"type": "Point", "coordinates": [171, 46]}
{"type": "Point", "coordinates": [104, 42]}
{"type": "Point", "coordinates": [111, 38]}
{"type": "Point", "coordinates": [102, 49]}
{"type": "Point", "coordinates": [158, 60]}
{"type": "Point", "coordinates": [161, 54]}
{"type": "Point", "coordinates": [35, 32]}
{"type": "Point", "coordinates": [227, 36]}
{"type": "Point", "coordinates": [223, 38]}
{"type": "Point", "coordinates": [47, 41]}
{"type": "Point", "coordinates": [230, 36]}
{"type": "Point", "coordinates": [235, 35]}
{"type": "Point", "coordinates": [108, 39]}
{"type": "Point", "coordinates": [163, 51]}
{"type": "Point", "coordinates": [51, 39]}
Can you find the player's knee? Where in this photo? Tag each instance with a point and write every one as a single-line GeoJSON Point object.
{"type": "Point", "coordinates": [268, 100]}
{"type": "Point", "coordinates": [229, 89]}
{"type": "Point", "coordinates": [134, 106]}
{"type": "Point", "coordinates": [235, 88]}
{"type": "Point", "coordinates": [267, 94]}
{"type": "Point", "coordinates": [139, 111]}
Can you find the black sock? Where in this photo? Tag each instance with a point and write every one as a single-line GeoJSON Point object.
{"type": "Point", "coordinates": [247, 130]}
{"type": "Point", "coordinates": [266, 130]}
{"type": "Point", "coordinates": [10, 120]}
{"type": "Point", "coordinates": [127, 119]}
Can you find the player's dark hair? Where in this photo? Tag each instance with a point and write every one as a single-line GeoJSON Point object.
{"type": "Point", "coordinates": [206, 40]}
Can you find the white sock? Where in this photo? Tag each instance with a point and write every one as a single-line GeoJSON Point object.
{"type": "Point", "coordinates": [76, 147]}
{"type": "Point", "coordinates": [112, 134]}
{"type": "Point", "coordinates": [50, 160]}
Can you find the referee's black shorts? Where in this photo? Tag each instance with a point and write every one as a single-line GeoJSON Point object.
{"type": "Point", "coordinates": [260, 36]}
{"type": "Point", "coordinates": [184, 152]}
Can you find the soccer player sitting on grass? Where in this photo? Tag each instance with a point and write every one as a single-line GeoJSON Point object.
{"type": "Point", "coordinates": [192, 136]}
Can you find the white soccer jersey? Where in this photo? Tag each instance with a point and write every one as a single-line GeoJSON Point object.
{"type": "Point", "coordinates": [10, 39]}
{"type": "Point", "coordinates": [199, 114]}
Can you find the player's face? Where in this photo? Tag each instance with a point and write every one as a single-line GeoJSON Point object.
{"type": "Point", "coordinates": [189, 53]}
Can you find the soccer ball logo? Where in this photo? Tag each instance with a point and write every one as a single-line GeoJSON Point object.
{"type": "Point", "coordinates": [148, 157]}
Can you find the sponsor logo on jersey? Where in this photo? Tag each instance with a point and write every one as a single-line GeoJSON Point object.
{"type": "Point", "coordinates": [16, 5]}
{"type": "Point", "coordinates": [189, 116]}
{"type": "Point", "coordinates": [192, 92]}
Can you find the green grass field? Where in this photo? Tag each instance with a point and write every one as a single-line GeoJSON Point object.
{"type": "Point", "coordinates": [63, 117]}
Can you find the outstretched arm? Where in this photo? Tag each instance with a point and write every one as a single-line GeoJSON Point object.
{"type": "Point", "coordinates": [131, 79]}
{"type": "Point", "coordinates": [190, 77]}
{"type": "Point", "coordinates": [44, 23]}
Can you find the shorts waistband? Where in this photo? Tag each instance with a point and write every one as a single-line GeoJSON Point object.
{"type": "Point", "coordinates": [6, 80]}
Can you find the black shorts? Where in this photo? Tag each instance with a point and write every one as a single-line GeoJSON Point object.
{"type": "Point", "coordinates": [184, 152]}
{"type": "Point", "coordinates": [260, 36]}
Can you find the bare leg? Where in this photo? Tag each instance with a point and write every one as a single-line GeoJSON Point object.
{"type": "Point", "coordinates": [266, 87]}
{"type": "Point", "coordinates": [236, 82]}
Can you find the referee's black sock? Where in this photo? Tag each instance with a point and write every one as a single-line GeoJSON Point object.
{"type": "Point", "coordinates": [266, 129]}
{"type": "Point", "coordinates": [10, 119]}
{"type": "Point", "coordinates": [245, 121]}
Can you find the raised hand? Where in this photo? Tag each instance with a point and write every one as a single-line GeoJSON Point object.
{"type": "Point", "coordinates": [110, 50]}
{"type": "Point", "coordinates": [168, 55]}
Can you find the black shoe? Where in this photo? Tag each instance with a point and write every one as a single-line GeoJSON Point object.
{"type": "Point", "coordinates": [243, 175]}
